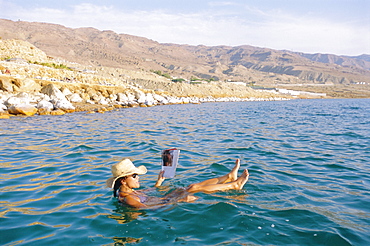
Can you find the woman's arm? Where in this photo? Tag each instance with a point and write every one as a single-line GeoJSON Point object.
{"type": "Point", "coordinates": [160, 179]}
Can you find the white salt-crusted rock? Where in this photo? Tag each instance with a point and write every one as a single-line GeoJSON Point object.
{"type": "Point", "coordinates": [64, 105]}
{"type": "Point", "coordinates": [45, 105]}
{"type": "Point", "coordinates": [131, 97]}
{"type": "Point", "coordinates": [140, 96]}
{"type": "Point", "coordinates": [53, 92]}
{"type": "Point", "coordinates": [3, 108]}
{"type": "Point", "coordinates": [103, 101]}
{"type": "Point", "coordinates": [149, 100]}
{"type": "Point", "coordinates": [66, 91]}
{"type": "Point", "coordinates": [20, 98]}
{"type": "Point", "coordinates": [75, 98]}
{"type": "Point", "coordinates": [122, 97]}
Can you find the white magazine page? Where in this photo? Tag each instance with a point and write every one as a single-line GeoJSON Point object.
{"type": "Point", "coordinates": [170, 159]}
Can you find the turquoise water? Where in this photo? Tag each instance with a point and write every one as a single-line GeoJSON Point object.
{"type": "Point", "coordinates": [308, 162]}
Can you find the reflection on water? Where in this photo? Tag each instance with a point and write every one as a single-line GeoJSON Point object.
{"type": "Point", "coordinates": [125, 217]}
{"type": "Point", "coordinates": [125, 240]}
{"type": "Point", "coordinates": [125, 214]}
{"type": "Point", "coordinates": [308, 162]}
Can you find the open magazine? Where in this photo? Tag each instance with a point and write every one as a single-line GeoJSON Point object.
{"type": "Point", "coordinates": [170, 159]}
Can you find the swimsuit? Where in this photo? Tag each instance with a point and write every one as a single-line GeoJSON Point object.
{"type": "Point", "coordinates": [172, 197]}
{"type": "Point", "coordinates": [142, 198]}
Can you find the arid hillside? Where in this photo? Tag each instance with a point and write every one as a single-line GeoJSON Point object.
{"type": "Point", "coordinates": [253, 65]}
{"type": "Point", "coordinates": [33, 83]}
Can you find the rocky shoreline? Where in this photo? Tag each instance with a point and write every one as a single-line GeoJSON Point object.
{"type": "Point", "coordinates": [31, 83]}
{"type": "Point", "coordinates": [33, 96]}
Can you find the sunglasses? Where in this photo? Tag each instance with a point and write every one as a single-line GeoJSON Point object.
{"type": "Point", "coordinates": [134, 175]}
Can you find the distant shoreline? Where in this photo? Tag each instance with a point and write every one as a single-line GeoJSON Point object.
{"type": "Point", "coordinates": [33, 83]}
{"type": "Point", "coordinates": [31, 95]}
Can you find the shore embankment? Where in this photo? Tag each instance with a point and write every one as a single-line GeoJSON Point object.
{"type": "Point", "coordinates": [33, 83]}
{"type": "Point", "coordinates": [27, 96]}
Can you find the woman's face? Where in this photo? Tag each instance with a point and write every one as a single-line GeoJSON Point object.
{"type": "Point", "coordinates": [132, 181]}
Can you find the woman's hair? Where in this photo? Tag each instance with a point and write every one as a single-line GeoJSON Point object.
{"type": "Point", "coordinates": [167, 158]}
{"type": "Point", "coordinates": [116, 186]}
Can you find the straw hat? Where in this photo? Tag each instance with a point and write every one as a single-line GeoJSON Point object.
{"type": "Point", "coordinates": [124, 168]}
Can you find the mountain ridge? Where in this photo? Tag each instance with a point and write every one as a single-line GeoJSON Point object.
{"type": "Point", "coordinates": [245, 63]}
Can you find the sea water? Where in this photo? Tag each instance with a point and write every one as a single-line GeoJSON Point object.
{"type": "Point", "coordinates": [308, 162]}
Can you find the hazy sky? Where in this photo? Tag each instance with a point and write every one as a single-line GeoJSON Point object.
{"type": "Point", "coordinates": [339, 27]}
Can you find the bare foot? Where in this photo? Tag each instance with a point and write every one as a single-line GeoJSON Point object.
{"type": "Point", "coordinates": [240, 182]}
{"type": "Point", "coordinates": [233, 174]}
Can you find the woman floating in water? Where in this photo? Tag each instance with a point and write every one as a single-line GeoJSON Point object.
{"type": "Point", "coordinates": [125, 179]}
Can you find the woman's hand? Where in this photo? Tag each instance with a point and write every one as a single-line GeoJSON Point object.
{"type": "Point", "coordinates": [160, 179]}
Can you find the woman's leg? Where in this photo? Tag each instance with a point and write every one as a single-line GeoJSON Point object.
{"type": "Point", "coordinates": [231, 176]}
{"type": "Point", "coordinates": [234, 185]}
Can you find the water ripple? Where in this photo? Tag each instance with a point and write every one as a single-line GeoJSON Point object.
{"type": "Point", "coordinates": [308, 160]}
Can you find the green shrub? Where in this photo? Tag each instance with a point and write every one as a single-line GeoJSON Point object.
{"type": "Point", "coordinates": [52, 65]}
{"type": "Point", "coordinates": [156, 72]}
{"type": "Point", "coordinates": [166, 75]}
